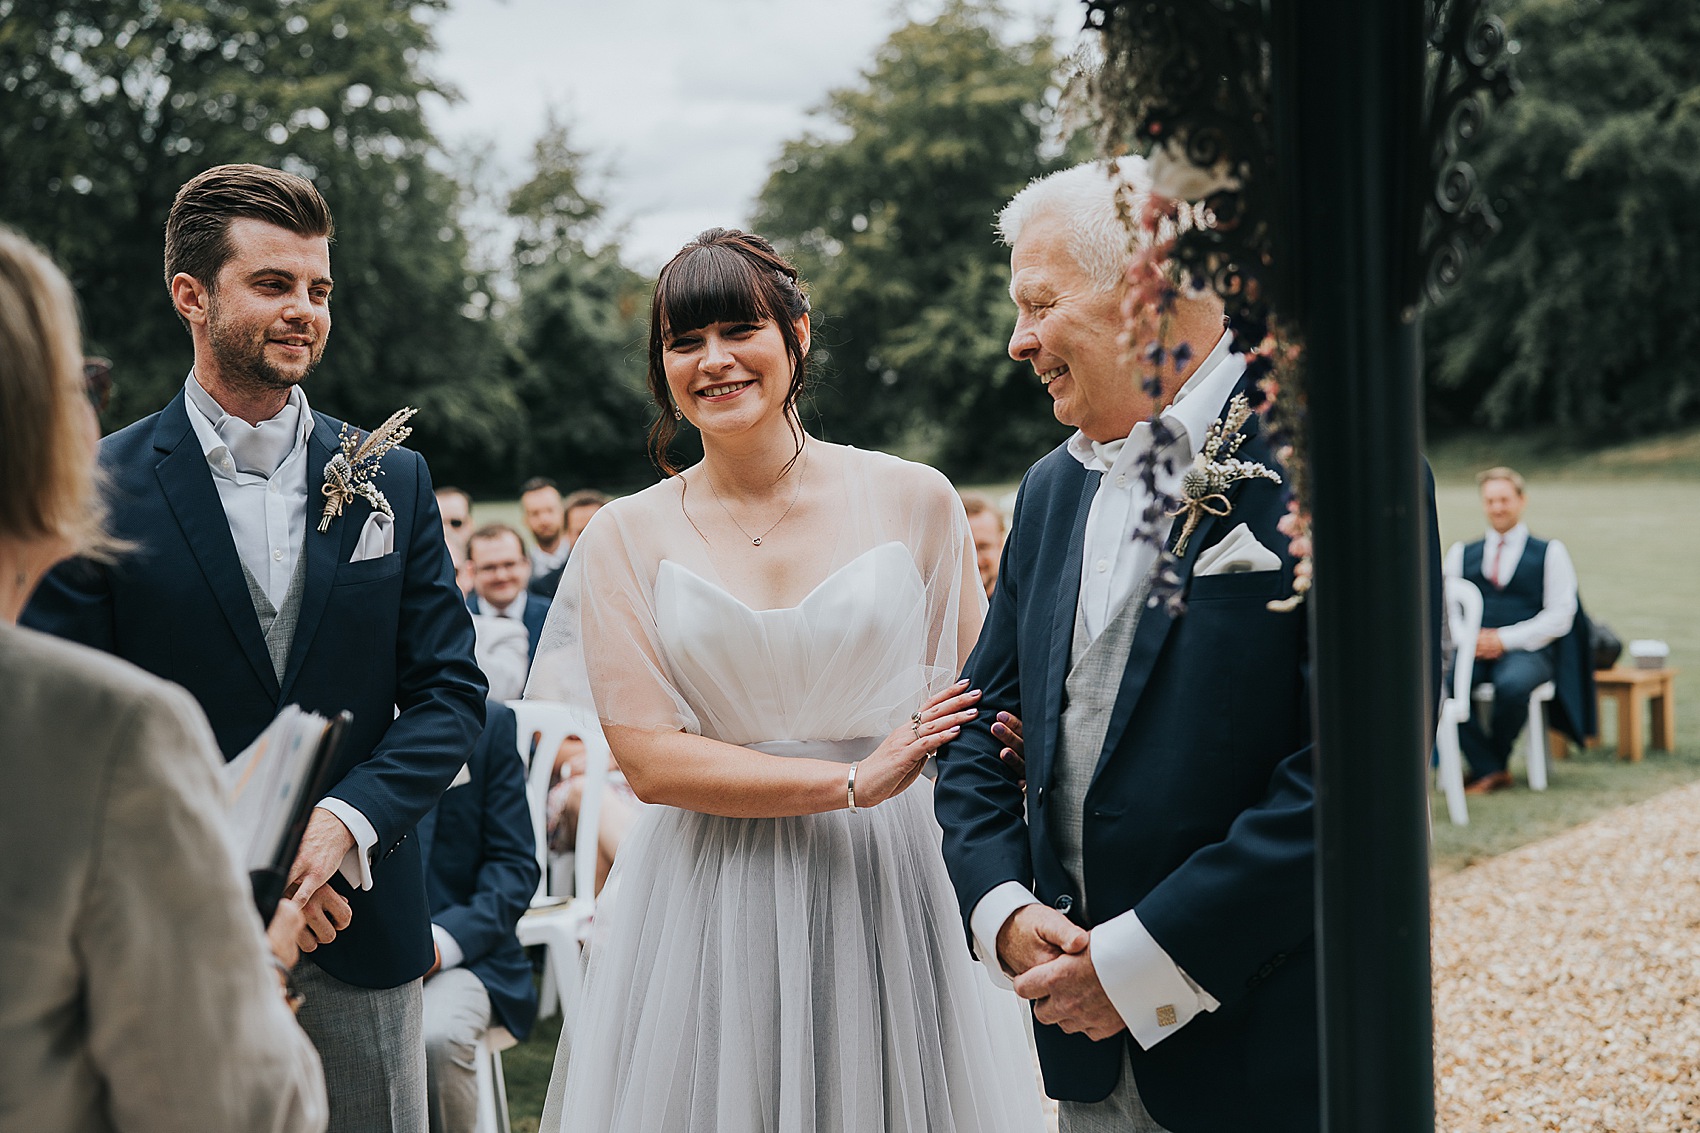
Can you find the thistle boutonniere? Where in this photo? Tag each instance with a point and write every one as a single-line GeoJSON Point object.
{"type": "Point", "coordinates": [1204, 487]}
{"type": "Point", "coordinates": [348, 474]}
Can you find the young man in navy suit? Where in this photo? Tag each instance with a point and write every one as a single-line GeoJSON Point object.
{"type": "Point", "coordinates": [480, 874]}
{"type": "Point", "coordinates": [246, 590]}
{"type": "Point", "coordinates": [500, 572]}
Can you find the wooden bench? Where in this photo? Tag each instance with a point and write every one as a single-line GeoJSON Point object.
{"type": "Point", "coordinates": [1635, 690]}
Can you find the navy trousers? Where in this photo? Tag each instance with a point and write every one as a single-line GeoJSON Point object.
{"type": "Point", "coordinates": [1513, 676]}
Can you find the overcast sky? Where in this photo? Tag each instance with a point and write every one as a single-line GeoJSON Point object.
{"type": "Point", "coordinates": [682, 103]}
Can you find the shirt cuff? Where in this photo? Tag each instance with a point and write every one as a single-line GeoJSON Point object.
{"type": "Point", "coordinates": [996, 907]}
{"type": "Point", "coordinates": [357, 863]}
{"type": "Point", "coordinates": [1150, 992]}
{"type": "Point", "coordinates": [449, 954]}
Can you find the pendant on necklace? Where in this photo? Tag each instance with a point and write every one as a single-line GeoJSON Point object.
{"type": "Point", "coordinates": [756, 542]}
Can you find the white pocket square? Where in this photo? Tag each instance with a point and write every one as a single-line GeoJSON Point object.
{"type": "Point", "coordinates": [463, 776]}
{"type": "Point", "coordinates": [377, 538]}
{"type": "Point", "coordinates": [1239, 552]}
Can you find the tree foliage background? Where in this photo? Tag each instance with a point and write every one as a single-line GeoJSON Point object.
{"type": "Point", "coordinates": [888, 211]}
{"type": "Point", "coordinates": [1581, 312]}
{"type": "Point", "coordinates": [529, 359]}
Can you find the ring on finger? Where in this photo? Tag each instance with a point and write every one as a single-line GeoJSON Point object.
{"type": "Point", "coordinates": [915, 723]}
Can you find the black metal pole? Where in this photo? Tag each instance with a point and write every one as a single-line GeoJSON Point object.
{"type": "Point", "coordinates": [1350, 76]}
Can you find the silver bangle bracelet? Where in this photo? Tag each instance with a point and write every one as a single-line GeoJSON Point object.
{"type": "Point", "coordinates": [850, 787]}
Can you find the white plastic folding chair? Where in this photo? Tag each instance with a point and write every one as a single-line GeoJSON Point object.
{"type": "Point", "coordinates": [561, 926]}
{"type": "Point", "coordinates": [1464, 621]}
{"type": "Point", "coordinates": [1535, 753]}
{"type": "Point", "coordinates": [492, 1086]}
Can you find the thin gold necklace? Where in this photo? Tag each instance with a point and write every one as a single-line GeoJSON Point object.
{"type": "Point", "coordinates": [755, 540]}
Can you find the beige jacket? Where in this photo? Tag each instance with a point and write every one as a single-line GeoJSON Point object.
{"type": "Point", "coordinates": [135, 989]}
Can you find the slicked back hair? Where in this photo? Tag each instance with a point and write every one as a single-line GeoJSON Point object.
{"type": "Point", "coordinates": [197, 232]}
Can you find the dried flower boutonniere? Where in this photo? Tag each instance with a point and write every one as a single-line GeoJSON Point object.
{"type": "Point", "coordinates": [348, 474]}
{"type": "Point", "coordinates": [1204, 487]}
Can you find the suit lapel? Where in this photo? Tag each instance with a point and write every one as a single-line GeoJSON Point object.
{"type": "Point", "coordinates": [1062, 619]}
{"type": "Point", "coordinates": [324, 550]}
{"type": "Point", "coordinates": [188, 487]}
{"type": "Point", "coordinates": [1155, 623]}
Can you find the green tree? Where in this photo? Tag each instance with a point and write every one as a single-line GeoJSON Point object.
{"type": "Point", "coordinates": [576, 332]}
{"type": "Point", "coordinates": [889, 214]}
{"type": "Point", "coordinates": [1580, 312]}
{"type": "Point", "coordinates": [107, 106]}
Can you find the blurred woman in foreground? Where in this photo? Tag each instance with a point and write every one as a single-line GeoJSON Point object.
{"type": "Point", "coordinates": [136, 988]}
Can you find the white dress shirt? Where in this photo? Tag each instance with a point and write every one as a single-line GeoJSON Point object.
{"type": "Point", "coordinates": [260, 472]}
{"type": "Point", "coordinates": [543, 562]}
{"type": "Point", "coordinates": [1138, 976]}
{"type": "Point", "coordinates": [1501, 555]}
{"type": "Point", "coordinates": [514, 610]}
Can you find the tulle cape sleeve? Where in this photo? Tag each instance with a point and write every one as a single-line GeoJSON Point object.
{"type": "Point", "coordinates": [601, 649]}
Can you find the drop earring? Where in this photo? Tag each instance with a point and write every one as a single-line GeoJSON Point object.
{"type": "Point", "coordinates": [678, 414]}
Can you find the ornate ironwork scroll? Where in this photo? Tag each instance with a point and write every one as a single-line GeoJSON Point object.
{"type": "Point", "coordinates": [1471, 68]}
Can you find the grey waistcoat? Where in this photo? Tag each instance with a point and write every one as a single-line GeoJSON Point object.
{"type": "Point", "coordinates": [279, 624]}
{"type": "Point", "coordinates": [1094, 679]}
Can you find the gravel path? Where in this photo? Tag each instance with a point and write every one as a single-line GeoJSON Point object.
{"type": "Point", "coordinates": [1567, 979]}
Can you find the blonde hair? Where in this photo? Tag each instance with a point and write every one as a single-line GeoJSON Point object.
{"type": "Point", "coordinates": [1501, 473]}
{"type": "Point", "coordinates": [49, 480]}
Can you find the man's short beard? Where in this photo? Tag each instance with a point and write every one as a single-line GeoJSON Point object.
{"type": "Point", "coordinates": [242, 360]}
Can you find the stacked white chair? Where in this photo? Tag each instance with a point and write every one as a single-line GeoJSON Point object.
{"type": "Point", "coordinates": [558, 922]}
{"type": "Point", "coordinates": [1464, 621]}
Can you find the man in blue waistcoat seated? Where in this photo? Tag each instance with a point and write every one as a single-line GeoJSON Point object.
{"type": "Point", "coordinates": [481, 873]}
{"type": "Point", "coordinates": [1533, 630]}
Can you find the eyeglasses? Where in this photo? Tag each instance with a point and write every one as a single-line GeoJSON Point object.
{"type": "Point", "coordinates": [457, 523]}
{"type": "Point", "coordinates": [97, 379]}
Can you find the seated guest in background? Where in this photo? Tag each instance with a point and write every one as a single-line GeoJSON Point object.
{"type": "Point", "coordinates": [132, 950]}
{"type": "Point", "coordinates": [546, 519]}
{"type": "Point", "coordinates": [480, 875]}
{"type": "Point", "coordinates": [577, 509]}
{"type": "Point", "coordinates": [499, 572]}
{"type": "Point", "coordinates": [501, 646]}
{"type": "Point", "coordinates": [455, 507]}
{"type": "Point", "coordinates": [985, 523]}
{"type": "Point", "coordinates": [1529, 603]}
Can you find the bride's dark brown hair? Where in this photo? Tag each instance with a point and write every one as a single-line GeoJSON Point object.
{"type": "Point", "coordinates": [722, 276]}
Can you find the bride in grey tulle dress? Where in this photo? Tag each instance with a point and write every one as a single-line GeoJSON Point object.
{"type": "Point", "coordinates": [765, 636]}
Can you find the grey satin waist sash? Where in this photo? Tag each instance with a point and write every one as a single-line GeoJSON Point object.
{"type": "Point", "coordinates": [839, 751]}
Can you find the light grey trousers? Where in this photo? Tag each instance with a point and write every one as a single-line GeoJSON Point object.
{"type": "Point", "coordinates": [1121, 1112]}
{"type": "Point", "coordinates": [371, 1041]}
{"type": "Point", "coordinates": [457, 1013]}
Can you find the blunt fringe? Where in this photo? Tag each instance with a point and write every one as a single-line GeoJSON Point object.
{"type": "Point", "coordinates": [722, 276]}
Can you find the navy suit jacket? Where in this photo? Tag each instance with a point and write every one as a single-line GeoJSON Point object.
{"type": "Point", "coordinates": [1199, 815]}
{"type": "Point", "coordinates": [374, 637]}
{"type": "Point", "coordinates": [535, 614]}
{"type": "Point", "coordinates": [481, 870]}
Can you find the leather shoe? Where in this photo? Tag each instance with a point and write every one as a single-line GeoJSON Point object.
{"type": "Point", "coordinates": [1489, 783]}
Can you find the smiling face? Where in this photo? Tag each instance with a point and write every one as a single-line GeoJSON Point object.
{"type": "Point", "coordinates": [1503, 504]}
{"type": "Point", "coordinates": [263, 325]}
{"type": "Point", "coordinates": [1066, 330]}
{"type": "Point", "coordinates": [731, 376]}
{"type": "Point", "coordinates": [500, 568]}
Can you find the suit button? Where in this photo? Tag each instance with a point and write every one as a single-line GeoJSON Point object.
{"type": "Point", "coordinates": [1039, 799]}
{"type": "Point", "coordinates": [1064, 904]}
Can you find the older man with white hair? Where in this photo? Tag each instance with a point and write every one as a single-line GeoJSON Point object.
{"type": "Point", "coordinates": [1152, 892]}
